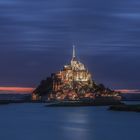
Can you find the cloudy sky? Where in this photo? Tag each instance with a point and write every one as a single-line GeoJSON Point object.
{"type": "Point", "coordinates": [36, 39]}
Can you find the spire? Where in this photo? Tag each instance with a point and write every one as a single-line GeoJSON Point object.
{"type": "Point", "coordinates": [74, 52]}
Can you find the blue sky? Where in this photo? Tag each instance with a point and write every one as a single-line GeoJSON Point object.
{"type": "Point", "coordinates": [36, 39]}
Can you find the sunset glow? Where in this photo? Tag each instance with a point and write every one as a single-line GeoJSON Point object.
{"type": "Point", "coordinates": [30, 89]}
{"type": "Point", "coordinates": [16, 89]}
{"type": "Point", "coordinates": [128, 90]}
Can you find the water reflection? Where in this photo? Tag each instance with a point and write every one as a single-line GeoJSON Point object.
{"type": "Point", "coordinates": [77, 125]}
{"type": "Point", "coordinates": [36, 122]}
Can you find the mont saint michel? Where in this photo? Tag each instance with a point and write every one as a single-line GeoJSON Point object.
{"type": "Point", "coordinates": [74, 83]}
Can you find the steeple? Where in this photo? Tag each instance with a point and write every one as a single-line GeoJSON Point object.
{"type": "Point", "coordinates": [74, 52]}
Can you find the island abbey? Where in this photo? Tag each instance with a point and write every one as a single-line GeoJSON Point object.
{"type": "Point", "coordinates": [73, 82]}
{"type": "Point", "coordinates": [72, 75]}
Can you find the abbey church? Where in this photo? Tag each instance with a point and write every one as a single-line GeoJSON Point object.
{"type": "Point", "coordinates": [72, 74]}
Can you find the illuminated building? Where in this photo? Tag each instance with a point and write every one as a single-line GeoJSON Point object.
{"type": "Point", "coordinates": [73, 82]}
{"type": "Point", "coordinates": [72, 74]}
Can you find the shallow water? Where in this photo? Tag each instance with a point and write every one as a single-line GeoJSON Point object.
{"type": "Point", "coordinates": [37, 122]}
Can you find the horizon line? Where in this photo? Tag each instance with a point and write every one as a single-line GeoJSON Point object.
{"type": "Point", "coordinates": [20, 90]}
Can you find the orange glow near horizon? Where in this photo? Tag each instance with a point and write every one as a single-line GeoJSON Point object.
{"type": "Point", "coordinates": [128, 90]}
{"type": "Point", "coordinates": [16, 89]}
{"type": "Point", "coordinates": [30, 90]}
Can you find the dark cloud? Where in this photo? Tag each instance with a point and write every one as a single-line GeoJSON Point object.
{"type": "Point", "coordinates": [36, 39]}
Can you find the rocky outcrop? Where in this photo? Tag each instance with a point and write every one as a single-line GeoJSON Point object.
{"type": "Point", "coordinates": [73, 82]}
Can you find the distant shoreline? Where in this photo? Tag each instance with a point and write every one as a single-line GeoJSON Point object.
{"type": "Point", "coordinates": [124, 107]}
